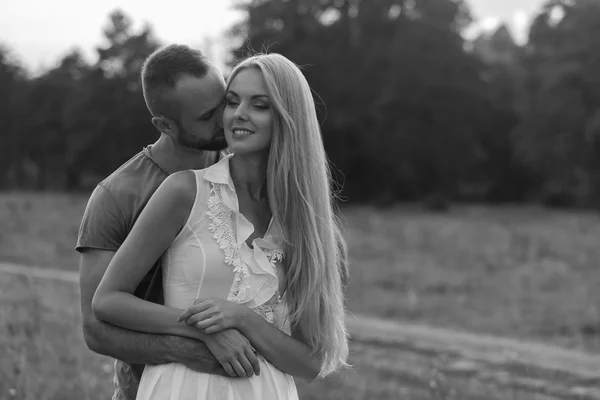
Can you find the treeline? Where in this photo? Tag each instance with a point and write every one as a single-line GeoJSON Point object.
{"type": "Point", "coordinates": [409, 109]}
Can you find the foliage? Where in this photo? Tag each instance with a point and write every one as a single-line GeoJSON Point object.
{"type": "Point", "coordinates": [410, 110]}
{"type": "Point", "coordinates": [81, 120]}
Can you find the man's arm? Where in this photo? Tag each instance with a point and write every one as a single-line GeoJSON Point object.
{"type": "Point", "coordinates": [129, 346]}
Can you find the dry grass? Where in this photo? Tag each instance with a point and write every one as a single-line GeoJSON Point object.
{"type": "Point", "coordinates": [43, 354]}
{"type": "Point", "coordinates": [40, 228]}
{"type": "Point", "coordinates": [522, 271]}
{"type": "Point", "coordinates": [44, 357]}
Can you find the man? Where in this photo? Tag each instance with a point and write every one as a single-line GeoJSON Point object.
{"type": "Point", "coordinates": [183, 92]}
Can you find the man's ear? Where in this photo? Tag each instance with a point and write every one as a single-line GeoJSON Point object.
{"type": "Point", "coordinates": [165, 125]}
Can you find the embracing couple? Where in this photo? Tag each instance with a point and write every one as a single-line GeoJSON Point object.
{"type": "Point", "coordinates": [212, 264]}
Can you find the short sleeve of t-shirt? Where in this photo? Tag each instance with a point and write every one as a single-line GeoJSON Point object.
{"type": "Point", "coordinates": [103, 226]}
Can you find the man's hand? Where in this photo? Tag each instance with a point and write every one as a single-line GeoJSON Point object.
{"type": "Point", "coordinates": [234, 352]}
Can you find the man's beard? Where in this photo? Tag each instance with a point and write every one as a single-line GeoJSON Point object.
{"type": "Point", "coordinates": [216, 143]}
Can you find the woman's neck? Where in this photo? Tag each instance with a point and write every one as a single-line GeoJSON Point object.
{"type": "Point", "coordinates": [249, 174]}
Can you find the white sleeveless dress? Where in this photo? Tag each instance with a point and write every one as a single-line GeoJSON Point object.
{"type": "Point", "coordinates": [210, 258]}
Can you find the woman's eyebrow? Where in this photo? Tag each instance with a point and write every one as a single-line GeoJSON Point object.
{"type": "Point", "coordinates": [256, 96]}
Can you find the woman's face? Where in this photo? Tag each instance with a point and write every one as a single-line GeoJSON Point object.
{"type": "Point", "coordinates": [248, 115]}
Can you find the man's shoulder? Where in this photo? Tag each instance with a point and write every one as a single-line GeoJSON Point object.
{"type": "Point", "coordinates": [116, 203]}
{"type": "Point", "coordinates": [134, 182]}
{"type": "Point", "coordinates": [138, 171]}
{"type": "Point", "coordinates": [126, 191]}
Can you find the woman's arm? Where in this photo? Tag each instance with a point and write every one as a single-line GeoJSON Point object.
{"type": "Point", "coordinates": [157, 226]}
{"type": "Point", "coordinates": [131, 346]}
{"type": "Point", "coordinates": [288, 353]}
{"type": "Point", "coordinates": [154, 231]}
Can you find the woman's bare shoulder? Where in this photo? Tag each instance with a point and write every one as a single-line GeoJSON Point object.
{"type": "Point", "coordinates": [176, 193]}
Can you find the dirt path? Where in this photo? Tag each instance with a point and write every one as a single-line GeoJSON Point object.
{"type": "Point", "coordinates": [541, 369]}
{"type": "Point", "coordinates": [41, 273]}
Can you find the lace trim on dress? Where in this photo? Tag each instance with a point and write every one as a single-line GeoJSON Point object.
{"type": "Point", "coordinates": [221, 227]}
{"type": "Point", "coordinates": [267, 310]}
{"type": "Point", "coordinates": [274, 255]}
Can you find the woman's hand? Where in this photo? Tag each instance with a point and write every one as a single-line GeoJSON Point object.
{"type": "Point", "coordinates": [214, 315]}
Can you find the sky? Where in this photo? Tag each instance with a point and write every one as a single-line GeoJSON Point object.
{"type": "Point", "coordinates": [40, 32]}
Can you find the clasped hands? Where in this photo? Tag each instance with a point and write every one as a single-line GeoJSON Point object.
{"type": "Point", "coordinates": [214, 315]}
{"type": "Point", "coordinates": [221, 321]}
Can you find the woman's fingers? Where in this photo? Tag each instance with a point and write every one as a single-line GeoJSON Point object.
{"type": "Point", "coordinates": [201, 316]}
{"type": "Point", "coordinates": [214, 329]}
{"type": "Point", "coordinates": [194, 309]}
{"type": "Point", "coordinates": [205, 324]}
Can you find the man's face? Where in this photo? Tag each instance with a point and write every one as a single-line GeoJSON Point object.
{"type": "Point", "coordinates": [200, 118]}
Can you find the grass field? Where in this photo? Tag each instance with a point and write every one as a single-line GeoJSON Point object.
{"type": "Point", "coordinates": [520, 271]}
{"type": "Point", "coordinates": [523, 272]}
{"type": "Point", "coordinates": [44, 357]}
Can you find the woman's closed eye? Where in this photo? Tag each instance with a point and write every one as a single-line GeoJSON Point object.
{"type": "Point", "coordinates": [231, 102]}
{"type": "Point", "coordinates": [262, 105]}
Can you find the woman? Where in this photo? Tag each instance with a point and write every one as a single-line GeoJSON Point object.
{"type": "Point", "coordinates": [249, 243]}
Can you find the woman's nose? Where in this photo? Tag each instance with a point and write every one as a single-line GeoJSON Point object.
{"type": "Point", "coordinates": [240, 113]}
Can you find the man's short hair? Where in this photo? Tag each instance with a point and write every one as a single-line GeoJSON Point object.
{"type": "Point", "coordinates": [160, 73]}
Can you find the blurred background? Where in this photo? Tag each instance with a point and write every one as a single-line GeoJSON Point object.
{"type": "Point", "coordinates": [465, 138]}
{"type": "Point", "coordinates": [419, 100]}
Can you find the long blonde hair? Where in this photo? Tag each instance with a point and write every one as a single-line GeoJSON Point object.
{"type": "Point", "coordinates": [301, 200]}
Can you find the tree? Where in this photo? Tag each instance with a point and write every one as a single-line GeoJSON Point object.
{"type": "Point", "coordinates": [558, 132]}
{"type": "Point", "coordinates": [13, 83]}
{"type": "Point", "coordinates": [119, 124]}
{"type": "Point", "coordinates": [80, 119]}
{"type": "Point", "coordinates": [504, 173]}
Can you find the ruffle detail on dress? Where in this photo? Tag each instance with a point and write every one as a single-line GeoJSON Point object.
{"type": "Point", "coordinates": [255, 281]}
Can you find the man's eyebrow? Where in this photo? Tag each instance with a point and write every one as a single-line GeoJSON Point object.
{"type": "Point", "coordinates": [256, 96]}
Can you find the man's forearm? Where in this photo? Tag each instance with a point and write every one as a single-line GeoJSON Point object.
{"type": "Point", "coordinates": [134, 347]}
{"type": "Point", "coordinates": [149, 349]}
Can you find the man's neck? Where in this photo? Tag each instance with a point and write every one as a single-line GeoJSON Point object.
{"type": "Point", "coordinates": [173, 157]}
